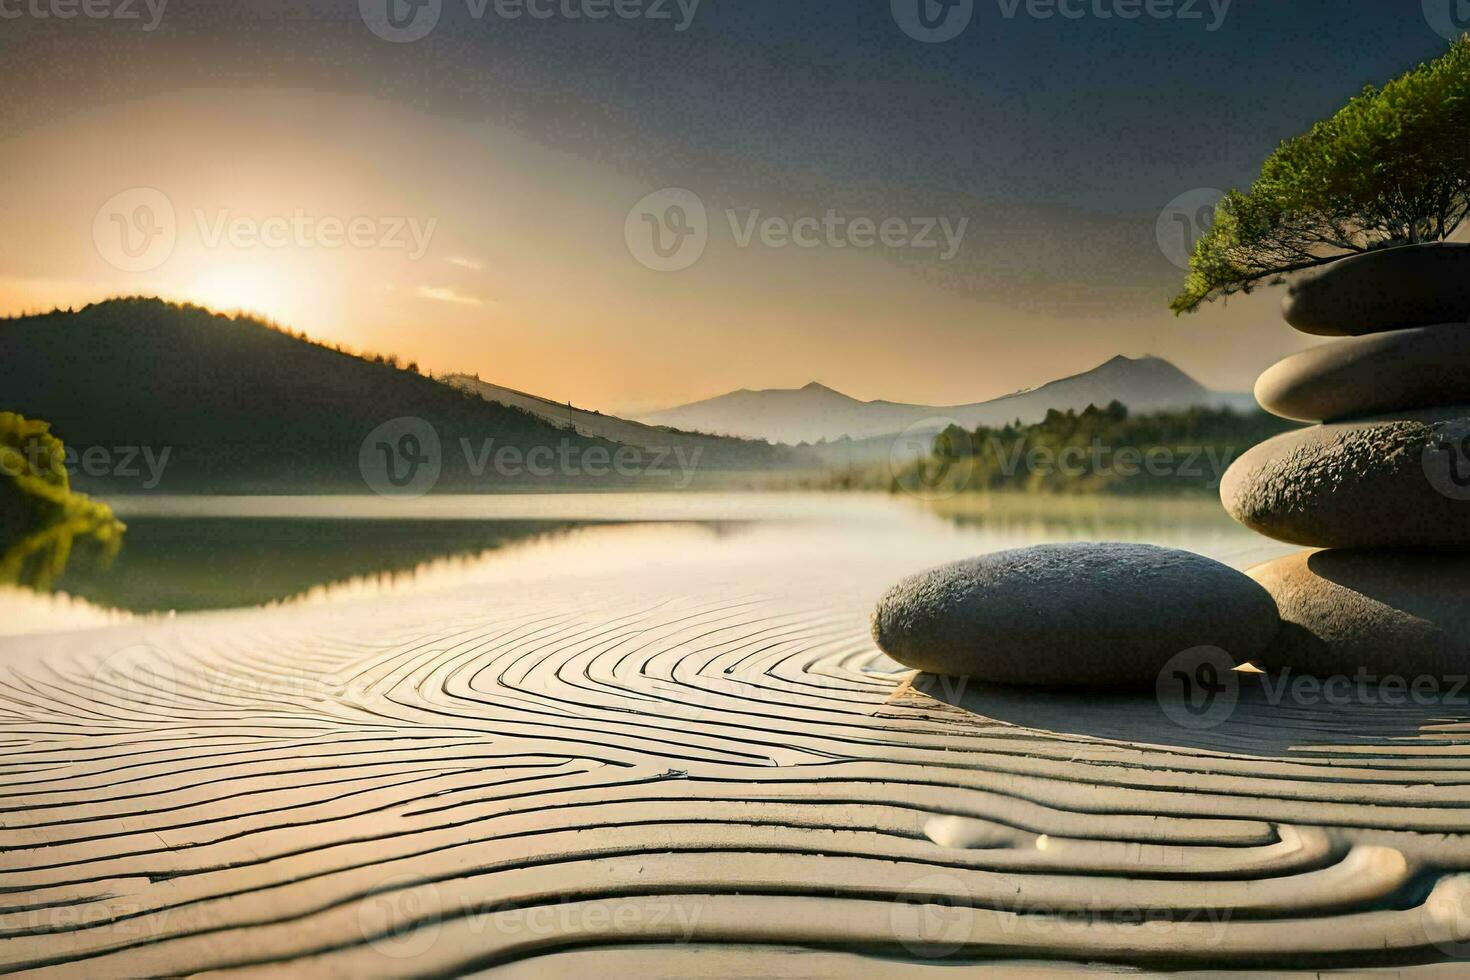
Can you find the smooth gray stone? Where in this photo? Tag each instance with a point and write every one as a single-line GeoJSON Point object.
{"type": "Point", "coordinates": [1381, 613]}
{"type": "Point", "coordinates": [1392, 289]}
{"type": "Point", "coordinates": [1363, 376]}
{"type": "Point", "coordinates": [1072, 615]}
{"type": "Point", "coordinates": [1400, 482]}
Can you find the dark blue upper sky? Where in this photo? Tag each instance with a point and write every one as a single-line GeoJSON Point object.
{"type": "Point", "coordinates": [1061, 138]}
{"type": "Point", "coordinates": [1099, 113]}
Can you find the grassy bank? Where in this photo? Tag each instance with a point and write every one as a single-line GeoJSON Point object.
{"type": "Point", "coordinates": [42, 520]}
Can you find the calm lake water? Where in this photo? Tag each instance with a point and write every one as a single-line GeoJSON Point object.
{"type": "Point", "coordinates": [196, 553]}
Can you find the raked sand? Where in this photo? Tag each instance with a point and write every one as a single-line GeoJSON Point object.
{"type": "Point", "coordinates": [685, 770]}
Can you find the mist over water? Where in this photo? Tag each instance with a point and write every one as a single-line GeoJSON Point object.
{"type": "Point", "coordinates": [189, 553]}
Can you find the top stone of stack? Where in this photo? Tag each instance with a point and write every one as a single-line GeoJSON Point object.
{"type": "Point", "coordinates": [1392, 289]}
{"type": "Point", "coordinates": [1405, 316]}
{"type": "Point", "coordinates": [1388, 471]}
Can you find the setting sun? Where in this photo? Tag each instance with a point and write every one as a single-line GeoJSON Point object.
{"type": "Point", "coordinates": [241, 289]}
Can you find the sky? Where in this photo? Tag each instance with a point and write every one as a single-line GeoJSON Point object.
{"type": "Point", "coordinates": [629, 204]}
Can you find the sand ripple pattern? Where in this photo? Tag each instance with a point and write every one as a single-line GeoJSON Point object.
{"type": "Point", "coordinates": [684, 777]}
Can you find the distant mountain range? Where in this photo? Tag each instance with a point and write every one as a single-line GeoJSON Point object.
{"type": "Point", "coordinates": [817, 413]}
{"type": "Point", "coordinates": [715, 451]}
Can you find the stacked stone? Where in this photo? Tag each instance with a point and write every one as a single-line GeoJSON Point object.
{"type": "Point", "coordinates": [1382, 481]}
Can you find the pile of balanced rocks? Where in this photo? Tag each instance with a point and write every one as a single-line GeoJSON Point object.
{"type": "Point", "coordinates": [1381, 481]}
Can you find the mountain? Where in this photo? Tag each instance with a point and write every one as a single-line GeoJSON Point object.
{"type": "Point", "coordinates": [153, 396]}
{"type": "Point", "coordinates": [715, 451]}
{"type": "Point", "coordinates": [816, 413]}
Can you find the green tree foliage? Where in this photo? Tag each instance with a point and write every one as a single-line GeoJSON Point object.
{"type": "Point", "coordinates": [41, 519]}
{"type": "Point", "coordinates": [1099, 450]}
{"type": "Point", "coordinates": [1391, 168]}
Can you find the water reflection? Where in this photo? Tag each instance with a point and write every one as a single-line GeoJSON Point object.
{"type": "Point", "coordinates": [187, 564]}
{"type": "Point", "coordinates": [201, 553]}
{"type": "Point", "coordinates": [1197, 524]}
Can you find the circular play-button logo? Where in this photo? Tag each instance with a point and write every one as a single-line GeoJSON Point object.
{"type": "Point", "coordinates": [934, 916]}
{"type": "Point", "coordinates": [136, 230]}
{"type": "Point", "coordinates": [933, 21]}
{"type": "Point", "coordinates": [401, 21]}
{"type": "Point", "coordinates": [1449, 18]}
{"type": "Point", "coordinates": [401, 458]}
{"type": "Point", "coordinates": [1447, 459]}
{"type": "Point", "coordinates": [668, 230]}
{"type": "Point", "coordinates": [1184, 221]}
{"type": "Point", "coordinates": [1199, 688]}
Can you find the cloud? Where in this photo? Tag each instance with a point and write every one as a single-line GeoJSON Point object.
{"type": "Point", "coordinates": [464, 263]}
{"type": "Point", "coordinates": [443, 295]}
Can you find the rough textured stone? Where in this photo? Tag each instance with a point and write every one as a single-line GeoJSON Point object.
{"type": "Point", "coordinates": [1377, 483]}
{"type": "Point", "coordinates": [1392, 289]}
{"type": "Point", "coordinates": [1382, 613]}
{"type": "Point", "coordinates": [1363, 376]}
{"type": "Point", "coordinates": [1072, 615]}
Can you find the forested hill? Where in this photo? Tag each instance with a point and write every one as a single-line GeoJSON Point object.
{"type": "Point", "coordinates": [244, 407]}
{"type": "Point", "coordinates": [1099, 450]}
